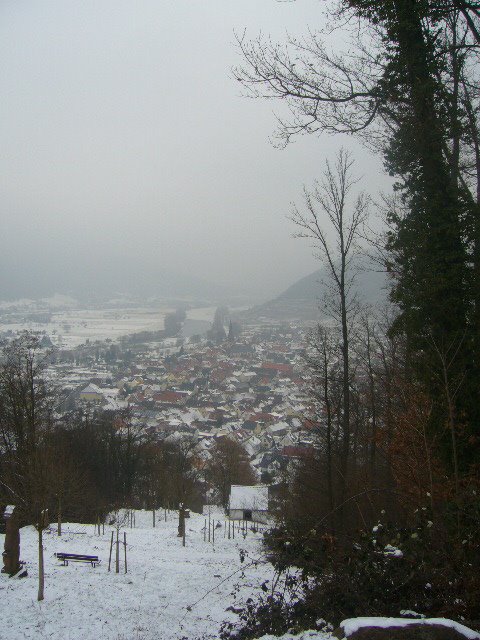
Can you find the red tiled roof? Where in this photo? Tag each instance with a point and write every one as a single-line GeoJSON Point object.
{"type": "Point", "coordinates": [261, 417]}
{"type": "Point", "coordinates": [277, 366]}
{"type": "Point", "coordinates": [311, 424]}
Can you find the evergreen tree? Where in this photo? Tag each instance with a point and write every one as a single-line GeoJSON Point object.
{"type": "Point", "coordinates": [411, 87]}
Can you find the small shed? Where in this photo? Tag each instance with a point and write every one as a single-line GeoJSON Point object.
{"type": "Point", "coordinates": [249, 503]}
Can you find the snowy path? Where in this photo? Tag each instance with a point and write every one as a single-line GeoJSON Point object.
{"type": "Point", "coordinates": [149, 602]}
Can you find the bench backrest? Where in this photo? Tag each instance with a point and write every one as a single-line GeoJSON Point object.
{"type": "Point", "coordinates": [75, 556]}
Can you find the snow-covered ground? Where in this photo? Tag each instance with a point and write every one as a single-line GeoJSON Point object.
{"type": "Point", "coordinates": [70, 328]}
{"type": "Point", "coordinates": [354, 625]}
{"type": "Point", "coordinates": [201, 313]}
{"type": "Point", "coordinates": [169, 592]}
{"type": "Point", "coordinates": [208, 313]}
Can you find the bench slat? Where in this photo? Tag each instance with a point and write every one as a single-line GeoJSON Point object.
{"type": "Point", "coordinates": [72, 556]}
{"type": "Point", "coordinates": [76, 557]}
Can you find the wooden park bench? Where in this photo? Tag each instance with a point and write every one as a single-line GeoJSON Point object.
{"type": "Point", "coordinates": [75, 557]}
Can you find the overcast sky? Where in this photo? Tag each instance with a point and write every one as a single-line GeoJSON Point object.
{"type": "Point", "coordinates": [124, 138]}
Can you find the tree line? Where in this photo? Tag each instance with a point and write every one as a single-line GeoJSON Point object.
{"type": "Point", "coordinates": [389, 503]}
{"type": "Point", "coordinates": [82, 465]}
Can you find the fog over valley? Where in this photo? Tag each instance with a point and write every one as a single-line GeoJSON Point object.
{"type": "Point", "coordinates": [240, 319]}
{"type": "Point", "coordinates": [131, 160]}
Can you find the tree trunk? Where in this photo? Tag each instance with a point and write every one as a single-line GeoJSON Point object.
{"type": "Point", "coordinates": [41, 574]}
{"type": "Point", "coordinates": [346, 373]}
{"type": "Point", "coordinates": [59, 520]}
{"type": "Point", "coordinates": [373, 404]}
{"type": "Point", "coordinates": [328, 407]}
{"type": "Point", "coordinates": [117, 555]}
{"type": "Point", "coordinates": [181, 522]}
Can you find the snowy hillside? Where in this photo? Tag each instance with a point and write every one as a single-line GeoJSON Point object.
{"type": "Point", "coordinates": [169, 591]}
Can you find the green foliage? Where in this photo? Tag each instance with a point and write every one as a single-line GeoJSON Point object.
{"type": "Point", "coordinates": [432, 242]}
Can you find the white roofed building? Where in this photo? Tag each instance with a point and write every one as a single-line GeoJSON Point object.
{"type": "Point", "coordinates": [91, 393]}
{"type": "Point", "coordinates": [249, 503]}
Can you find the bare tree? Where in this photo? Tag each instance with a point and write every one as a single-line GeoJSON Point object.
{"type": "Point", "coordinates": [33, 472]}
{"type": "Point", "coordinates": [228, 465]}
{"type": "Point", "coordinates": [322, 359]}
{"type": "Point", "coordinates": [446, 356]}
{"type": "Point", "coordinates": [184, 471]}
{"type": "Point", "coordinates": [333, 218]}
{"type": "Point", "coordinates": [39, 483]}
{"type": "Point", "coordinates": [323, 91]}
{"type": "Point", "coordinates": [26, 400]}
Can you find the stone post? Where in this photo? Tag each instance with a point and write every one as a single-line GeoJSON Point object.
{"type": "Point", "coordinates": [11, 553]}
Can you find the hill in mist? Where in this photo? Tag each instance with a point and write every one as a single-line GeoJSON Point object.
{"type": "Point", "coordinates": [304, 299]}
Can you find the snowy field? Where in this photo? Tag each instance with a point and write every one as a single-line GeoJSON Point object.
{"type": "Point", "coordinates": [170, 591]}
{"type": "Point", "coordinates": [70, 328]}
{"type": "Point", "coordinates": [205, 314]}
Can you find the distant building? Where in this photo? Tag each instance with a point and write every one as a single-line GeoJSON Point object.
{"type": "Point", "coordinates": [91, 393]}
{"type": "Point", "coordinates": [249, 503]}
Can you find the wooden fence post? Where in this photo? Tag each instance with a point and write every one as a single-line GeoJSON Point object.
{"type": "Point", "coordinates": [110, 556]}
{"type": "Point", "coordinates": [117, 556]}
{"type": "Point", "coordinates": [125, 548]}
